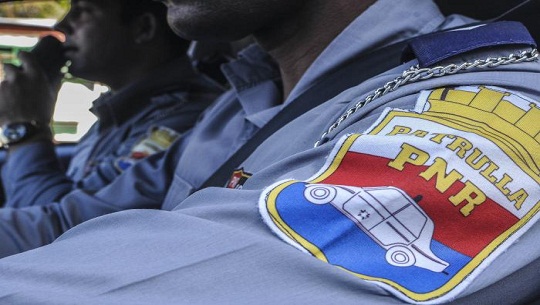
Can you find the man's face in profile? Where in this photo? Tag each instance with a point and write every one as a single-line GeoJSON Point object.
{"type": "Point", "coordinates": [97, 40]}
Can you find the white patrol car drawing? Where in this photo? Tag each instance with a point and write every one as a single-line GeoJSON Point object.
{"type": "Point", "coordinates": [389, 216]}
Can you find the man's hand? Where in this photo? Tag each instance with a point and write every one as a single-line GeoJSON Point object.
{"type": "Point", "coordinates": [26, 93]}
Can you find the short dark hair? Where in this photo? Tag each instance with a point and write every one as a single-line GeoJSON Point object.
{"type": "Point", "coordinates": [131, 9]}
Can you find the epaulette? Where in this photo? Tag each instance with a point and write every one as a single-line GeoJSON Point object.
{"type": "Point", "coordinates": [433, 48]}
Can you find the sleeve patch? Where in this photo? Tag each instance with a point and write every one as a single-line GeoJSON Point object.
{"type": "Point", "coordinates": [425, 200]}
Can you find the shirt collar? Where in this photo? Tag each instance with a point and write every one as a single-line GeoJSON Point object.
{"type": "Point", "coordinates": [252, 67]}
{"type": "Point", "coordinates": [118, 107]}
{"type": "Point", "coordinates": [256, 80]}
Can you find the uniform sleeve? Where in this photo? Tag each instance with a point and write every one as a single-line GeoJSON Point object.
{"type": "Point", "coordinates": [34, 177]}
{"type": "Point", "coordinates": [143, 186]}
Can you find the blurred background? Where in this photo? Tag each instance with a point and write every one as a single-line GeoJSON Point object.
{"type": "Point", "coordinates": [22, 23]}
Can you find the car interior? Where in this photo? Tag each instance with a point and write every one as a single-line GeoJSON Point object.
{"type": "Point", "coordinates": [207, 57]}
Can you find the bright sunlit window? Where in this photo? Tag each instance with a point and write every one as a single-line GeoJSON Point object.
{"type": "Point", "coordinates": [22, 23]}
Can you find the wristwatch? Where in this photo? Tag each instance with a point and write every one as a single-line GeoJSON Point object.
{"type": "Point", "coordinates": [12, 133]}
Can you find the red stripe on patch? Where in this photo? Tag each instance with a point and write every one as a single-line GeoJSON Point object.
{"type": "Point", "coordinates": [468, 235]}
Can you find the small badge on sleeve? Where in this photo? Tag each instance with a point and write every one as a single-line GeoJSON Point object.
{"type": "Point", "coordinates": [157, 139]}
{"type": "Point", "coordinates": [237, 179]}
{"type": "Point", "coordinates": [424, 201]}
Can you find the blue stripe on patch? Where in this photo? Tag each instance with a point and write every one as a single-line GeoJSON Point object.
{"type": "Point", "coordinates": [433, 48]}
{"type": "Point", "coordinates": [345, 245]}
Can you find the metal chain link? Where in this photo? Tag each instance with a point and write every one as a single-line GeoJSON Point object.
{"type": "Point", "coordinates": [415, 74]}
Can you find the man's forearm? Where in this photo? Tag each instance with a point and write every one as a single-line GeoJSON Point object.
{"type": "Point", "coordinates": [33, 175]}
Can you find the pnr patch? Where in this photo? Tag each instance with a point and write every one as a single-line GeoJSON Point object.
{"type": "Point", "coordinates": [422, 202]}
{"type": "Point", "coordinates": [159, 138]}
{"type": "Point", "coordinates": [238, 178]}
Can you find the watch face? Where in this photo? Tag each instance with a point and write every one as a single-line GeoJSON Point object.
{"type": "Point", "coordinates": [15, 132]}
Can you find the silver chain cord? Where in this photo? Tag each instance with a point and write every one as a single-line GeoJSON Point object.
{"type": "Point", "coordinates": [415, 73]}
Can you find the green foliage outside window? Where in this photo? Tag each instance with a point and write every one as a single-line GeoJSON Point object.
{"type": "Point", "coordinates": [34, 9]}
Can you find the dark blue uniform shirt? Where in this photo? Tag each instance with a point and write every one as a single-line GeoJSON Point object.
{"type": "Point", "coordinates": [133, 123]}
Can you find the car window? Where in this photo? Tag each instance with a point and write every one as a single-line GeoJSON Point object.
{"type": "Point", "coordinates": [22, 24]}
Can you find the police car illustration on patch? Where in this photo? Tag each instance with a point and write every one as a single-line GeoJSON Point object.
{"type": "Point", "coordinates": [389, 216]}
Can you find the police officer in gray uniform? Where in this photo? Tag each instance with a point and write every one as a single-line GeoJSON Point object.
{"type": "Point", "coordinates": [164, 180]}
{"type": "Point", "coordinates": [413, 186]}
{"type": "Point", "coordinates": [155, 98]}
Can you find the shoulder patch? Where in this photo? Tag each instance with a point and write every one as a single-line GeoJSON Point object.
{"type": "Point", "coordinates": [424, 201]}
{"type": "Point", "coordinates": [158, 138]}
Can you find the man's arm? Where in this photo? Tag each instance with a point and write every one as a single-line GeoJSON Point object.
{"type": "Point", "coordinates": [143, 186]}
{"type": "Point", "coordinates": [33, 176]}
{"type": "Point", "coordinates": [28, 95]}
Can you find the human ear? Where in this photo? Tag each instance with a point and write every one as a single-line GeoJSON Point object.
{"type": "Point", "coordinates": [144, 28]}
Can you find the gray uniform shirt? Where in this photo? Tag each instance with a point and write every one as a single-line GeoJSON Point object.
{"type": "Point", "coordinates": [222, 130]}
{"type": "Point", "coordinates": [215, 246]}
